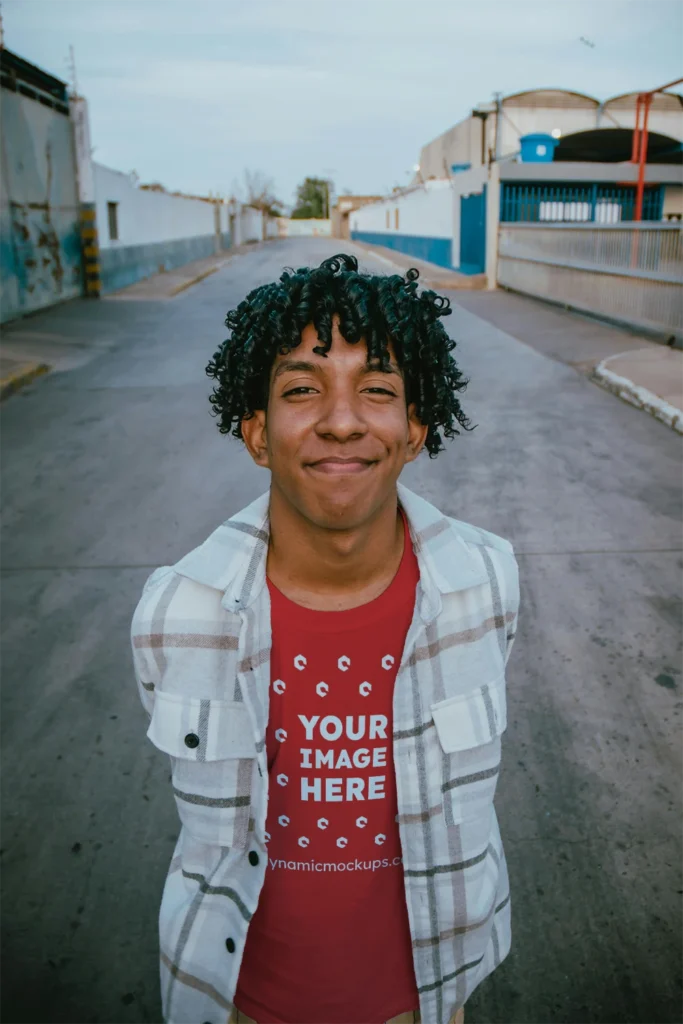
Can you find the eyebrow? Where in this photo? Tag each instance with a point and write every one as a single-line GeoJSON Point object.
{"type": "Point", "coordinates": [300, 366]}
{"type": "Point", "coordinates": [288, 365]}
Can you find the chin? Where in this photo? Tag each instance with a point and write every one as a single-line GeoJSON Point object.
{"type": "Point", "coordinates": [341, 512]}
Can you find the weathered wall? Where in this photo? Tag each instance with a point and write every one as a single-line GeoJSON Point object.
{"type": "Point", "coordinates": [156, 230]}
{"type": "Point", "coordinates": [40, 246]}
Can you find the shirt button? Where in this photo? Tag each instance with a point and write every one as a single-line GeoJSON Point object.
{"type": "Point", "coordinates": [192, 740]}
{"type": "Point", "coordinates": [253, 858]}
{"type": "Point", "coordinates": [230, 945]}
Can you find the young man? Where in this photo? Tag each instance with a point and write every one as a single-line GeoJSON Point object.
{"type": "Point", "coordinates": [327, 673]}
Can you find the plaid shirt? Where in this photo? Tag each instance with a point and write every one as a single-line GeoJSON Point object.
{"type": "Point", "coordinates": [201, 640]}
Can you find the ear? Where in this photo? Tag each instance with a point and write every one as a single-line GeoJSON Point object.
{"type": "Point", "coordinates": [417, 434]}
{"type": "Point", "coordinates": [254, 434]}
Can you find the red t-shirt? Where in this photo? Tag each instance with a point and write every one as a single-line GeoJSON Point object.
{"type": "Point", "coordinates": [330, 941]}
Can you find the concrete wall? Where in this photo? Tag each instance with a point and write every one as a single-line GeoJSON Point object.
{"type": "Point", "coordinates": [156, 230]}
{"type": "Point", "coordinates": [288, 228]}
{"type": "Point", "coordinates": [250, 225]}
{"type": "Point", "coordinates": [40, 243]}
{"type": "Point", "coordinates": [418, 222]}
{"type": "Point", "coordinates": [144, 216]}
{"type": "Point", "coordinates": [630, 273]}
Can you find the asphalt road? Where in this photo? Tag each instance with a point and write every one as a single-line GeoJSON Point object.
{"type": "Point", "coordinates": [115, 467]}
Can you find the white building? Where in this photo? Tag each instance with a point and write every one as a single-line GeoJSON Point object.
{"type": "Point", "coordinates": [493, 130]}
{"type": "Point", "coordinates": [562, 156]}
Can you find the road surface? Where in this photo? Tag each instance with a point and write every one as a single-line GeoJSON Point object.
{"type": "Point", "coordinates": [115, 466]}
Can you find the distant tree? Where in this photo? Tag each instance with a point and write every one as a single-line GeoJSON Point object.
{"type": "Point", "coordinates": [259, 193]}
{"type": "Point", "coordinates": [313, 199]}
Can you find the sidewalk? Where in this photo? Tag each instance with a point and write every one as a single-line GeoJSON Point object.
{"type": "Point", "coordinates": [430, 274]}
{"type": "Point", "coordinates": [640, 371]}
{"type": "Point", "coordinates": [650, 379]}
{"type": "Point", "coordinates": [170, 283]}
{"type": "Point", "coordinates": [27, 350]}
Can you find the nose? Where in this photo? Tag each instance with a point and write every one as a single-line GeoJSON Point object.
{"type": "Point", "coordinates": [341, 419]}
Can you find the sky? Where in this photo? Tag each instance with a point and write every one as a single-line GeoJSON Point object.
{"type": "Point", "coordinates": [192, 92]}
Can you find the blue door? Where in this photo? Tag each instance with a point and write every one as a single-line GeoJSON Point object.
{"type": "Point", "coordinates": [473, 233]}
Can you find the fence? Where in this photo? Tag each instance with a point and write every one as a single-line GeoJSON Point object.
{"type": "Point", "coordinates": [601, 204]}
{"type": "Point", "coordinates": [629, 273]}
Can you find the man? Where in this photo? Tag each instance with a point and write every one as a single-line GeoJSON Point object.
{"type": "Point", "coordinates": [327, 673]}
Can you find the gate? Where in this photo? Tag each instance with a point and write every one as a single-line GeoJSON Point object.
{"type": "Point", "coordinates": [473, 233]}
{"type": "Point", "coordinates": [40, 244]}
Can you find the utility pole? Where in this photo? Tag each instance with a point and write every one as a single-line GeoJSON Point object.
{"type": "Point", "coordinates": [498, 99]}
{"type": "Point", "coordinates": [72, 71]}
{"type": "Point", "coordinates": [327, 171]}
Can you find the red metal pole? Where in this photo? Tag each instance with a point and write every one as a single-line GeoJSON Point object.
{"type": "Point", "coordinates": [647, 100]}
{"type": "Point", "coordinates": [668, 85]}
{"type": "Point", "coordinates": [635, 146]}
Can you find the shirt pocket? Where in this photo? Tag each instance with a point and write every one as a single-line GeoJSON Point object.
{"type": "Point", "coordinates": [213, 759]}
{"type": "Point", "coordinates": [469, 727]}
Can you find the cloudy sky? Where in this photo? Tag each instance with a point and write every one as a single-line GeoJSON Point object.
{"type": "Point", "coordinates": [191, 92]}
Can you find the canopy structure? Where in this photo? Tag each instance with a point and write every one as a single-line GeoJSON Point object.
{"type": "Point", "coordinates": [615, 145]}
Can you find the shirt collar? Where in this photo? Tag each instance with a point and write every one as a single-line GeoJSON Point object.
{"type": "Point", "coordinates": [233, 557]}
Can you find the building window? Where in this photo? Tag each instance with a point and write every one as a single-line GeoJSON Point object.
{"type": "Point", "coordinates": [113, 218]}
{"type": "Point", "coordinates": [396, 218]}
{"type": "Point", "coordinates": [388, 218]}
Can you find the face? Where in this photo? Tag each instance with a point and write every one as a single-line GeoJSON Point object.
{"type": "Point", "coordinates": [337, 432]}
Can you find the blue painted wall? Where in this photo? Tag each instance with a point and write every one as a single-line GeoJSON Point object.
{"type": "Point", "coordinates": [434, 250]}
{"type": "Point", "coordinates": [124, 265]}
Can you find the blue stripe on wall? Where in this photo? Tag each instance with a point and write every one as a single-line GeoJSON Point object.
{"type": "Point", "coordinates": [127, 264]}
{"type": "Point", "coordinates": [434, 250]}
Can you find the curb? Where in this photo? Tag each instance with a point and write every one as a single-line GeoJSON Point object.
{"type": "Point", "coordinates": [640, 397]}
{"type": "Point", "coordinates": [431, 281]}
{"type": "Point", "coordinates": [26, 373]}
{"type": "Point", "coordinates": [194, 280]}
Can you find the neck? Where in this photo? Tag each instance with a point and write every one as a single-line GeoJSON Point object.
{"type": "Point", "coordinates": [333, 570]}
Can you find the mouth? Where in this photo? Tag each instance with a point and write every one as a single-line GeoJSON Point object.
{"type": "Point", "coordinates": [341, 467]}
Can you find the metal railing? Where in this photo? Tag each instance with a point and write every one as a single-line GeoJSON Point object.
{"type": "Point", "coordinates": [632, 273]}
{"type": "Point", "coordinates": [569, 202]}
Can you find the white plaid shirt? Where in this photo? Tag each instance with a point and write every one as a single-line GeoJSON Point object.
{"type": "Point", "coordinates": [201, 639]}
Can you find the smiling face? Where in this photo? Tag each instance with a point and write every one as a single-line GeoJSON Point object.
{"type": "Point", "coordinates": [337, 432]}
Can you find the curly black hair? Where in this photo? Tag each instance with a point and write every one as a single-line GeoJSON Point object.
{"type": "Point", "coordinates": [371, 308]}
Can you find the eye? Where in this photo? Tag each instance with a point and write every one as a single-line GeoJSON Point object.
{"type": "Point", "coordinates": [380, 391]}
{"type": "Point", "coordinates": [300, 390]}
